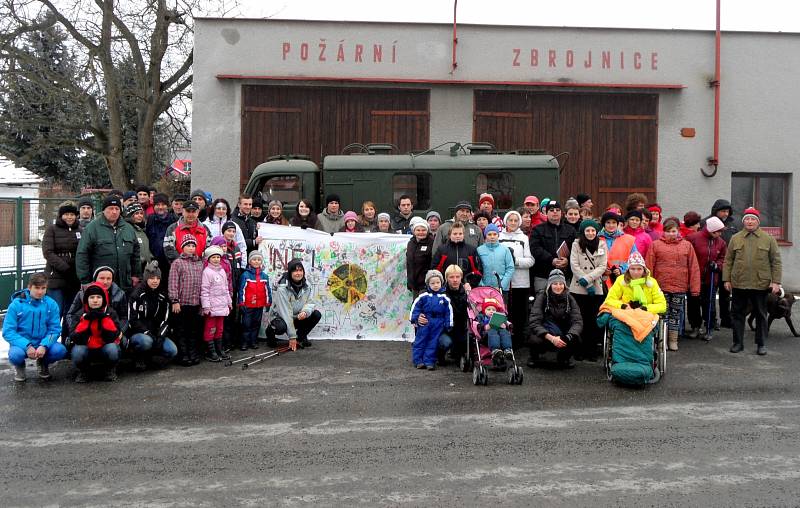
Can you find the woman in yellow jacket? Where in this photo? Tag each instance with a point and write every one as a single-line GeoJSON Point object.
{"type": "Point", "coordinates": [637, 289]}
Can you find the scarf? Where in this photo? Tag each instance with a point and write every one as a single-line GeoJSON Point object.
{"type": "Point", "coordinates": [638, 291]}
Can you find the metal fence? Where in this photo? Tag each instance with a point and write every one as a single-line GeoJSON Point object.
{"type": "Point", "coordinates": [22, 225]}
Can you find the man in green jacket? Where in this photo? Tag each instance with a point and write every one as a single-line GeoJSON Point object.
{"type": "Point", "coordinates": [109, 241]}
{"type": "Point", "coordinates": [752, 268]}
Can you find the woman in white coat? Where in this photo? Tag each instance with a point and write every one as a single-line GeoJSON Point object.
{"type": "Point", "coordinates": [588, 262]}
{"type": "Point", "coordinates": [219, 215]}
{"type": "Point", "coordinates": [517, 242]}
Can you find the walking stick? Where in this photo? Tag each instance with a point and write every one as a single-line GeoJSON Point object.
{"type": "Point", "coordinates": [710, 315]}
{"type": "Point", "coordinates": [267, 356]}
{"type": "Point", "coordinates": [252, 357]}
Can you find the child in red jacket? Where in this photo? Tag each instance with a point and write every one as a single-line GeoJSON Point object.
{"type": "Point", "coordinates": [96, 336]}
{"type": "Point", "coordinates": [674, 265]}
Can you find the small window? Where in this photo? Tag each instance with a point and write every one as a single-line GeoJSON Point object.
{"type": "Point", "coordinates": [284, 188]}
{"type": "Point", "coordinates": [499, 185]}
{"type": "Point", "coordinates": [768, 193]}
{"type": "Point", "coordinates": [416, 185]}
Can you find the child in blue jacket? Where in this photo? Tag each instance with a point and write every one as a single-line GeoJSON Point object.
{"type": "Point", "coordinates": [496, 259]}
{"type": "Point", "coordinates": [432, 315]}
{"type": "Point", "coordinates": [32, 327]}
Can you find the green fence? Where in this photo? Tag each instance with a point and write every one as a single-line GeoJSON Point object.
{"type": "Point", "coordinates": [22, 225]}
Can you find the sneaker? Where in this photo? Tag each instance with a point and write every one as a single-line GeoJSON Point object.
{"type": "Point", "coordinates": [254, 345]}
{"type": "Point", "coordinates": [509, 354]}
{"type": "Point", "coordinates": [737, 348]}
{"type": "Point", "coordinates": [43, 368]}
{"type": "Point", "coordinates": [707, 337]}
{"type": "Point", "coordinates": [762, 350]}
{"type": "Point", "coordinates": [111, 375]}
{"type": "Point", "coordinates": [420, 366]}
{"type": "Point", "coordinates": [19, 373]}
{"type": "Point", "coordinates": [81, 377]}
{"type": "Point", "coordinates": [430, 367]}
{"type": "Point", "coordinates": [304, 343]}
{"type": "Point", "coordinates": [497, 356]}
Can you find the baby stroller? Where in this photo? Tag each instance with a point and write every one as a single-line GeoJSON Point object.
{"type": "Point", "coordinates": [628, 361]}
{"type": "Point", "coordinates": [478, 356]}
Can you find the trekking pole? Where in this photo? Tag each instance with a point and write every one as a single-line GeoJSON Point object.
{"type": "Point", "coordinates": [249, 358]}
{"type": "Point", "coordinates": [710, 315]}
{"type": "Point", "coordinates": [267, 356]}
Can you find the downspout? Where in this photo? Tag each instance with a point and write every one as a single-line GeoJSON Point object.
{"type": "Point", "coordinates": [455, 37]}
{"type": "Point", "coordinates": [714, 160]}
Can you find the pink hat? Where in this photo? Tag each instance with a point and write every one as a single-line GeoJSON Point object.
{"type": "Point", "coordinates": [486, 197]}
{"type": "Point", "coordinates": [751, 212]}
{"type": "Point", "coordinates": [350, 216]}
{"type": "Point", "coordinates": [531, 199]}
{"type": "Point", "coordinates": [714, 224]}
{"type": "Point", "coordinates": [636, 259]}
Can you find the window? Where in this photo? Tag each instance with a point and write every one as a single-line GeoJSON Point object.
{"type": "Point", "coordinates": [499, 185]}
{"type": "Point", "coordinates": [768, 193]}
{"type": "Point", "coordinates": [416, 185]}
{"type": "Point", "coordinates": [284, 188]}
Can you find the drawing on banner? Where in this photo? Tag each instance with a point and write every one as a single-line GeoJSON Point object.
{"type": "Point", "coordinates": [358, 281]}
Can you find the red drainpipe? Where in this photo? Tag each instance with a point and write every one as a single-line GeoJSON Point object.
{"type": "Point", "coordinates": [455, 38]}
{"type": "Point", "coordinates": [714, 160]}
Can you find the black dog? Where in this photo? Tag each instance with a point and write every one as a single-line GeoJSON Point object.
{"type": "Point", "coordinates": [777, 307]}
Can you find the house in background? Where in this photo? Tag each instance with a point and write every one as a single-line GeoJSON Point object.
{"type": "Point", "coordinates": [18, 182]}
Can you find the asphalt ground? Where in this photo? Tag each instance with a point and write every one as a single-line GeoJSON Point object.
{"type": "Point", "coordinates": [352, 423]}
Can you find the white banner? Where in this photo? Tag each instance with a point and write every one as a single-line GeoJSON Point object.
{"type": "Point", "coordinates": [358, 280]}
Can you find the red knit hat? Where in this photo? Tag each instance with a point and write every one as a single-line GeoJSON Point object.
{"type": "Point", "coordinates": [654, 207]}
{"type": "Point", "coordinates": [486, 197]}
{"type": "Point", "coordinates": [751, 212]}
{"type": "Point", "coordinates": [489, 302]}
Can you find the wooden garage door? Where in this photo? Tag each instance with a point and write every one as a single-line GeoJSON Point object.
{"type": "Point", "coordinates": [611, 138]}
{"type": "Point", "coordinates": [320, 121]}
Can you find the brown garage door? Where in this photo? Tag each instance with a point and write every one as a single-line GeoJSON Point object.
{"type": "Point", "coordinates": [320, 121]}
{"type": "Point", "coordinates": [611, 138]}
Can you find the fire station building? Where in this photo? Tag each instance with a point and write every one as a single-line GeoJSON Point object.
{"type": "Point", "coordinates": [634, 109]}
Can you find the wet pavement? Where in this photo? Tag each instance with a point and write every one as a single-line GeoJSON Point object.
{"type": "Point", "coordinates": [351, 423]}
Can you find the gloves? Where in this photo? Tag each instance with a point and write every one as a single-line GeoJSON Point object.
{"type": "Point", "coordinates": [634, 305]}
{"type": "Point", "coordinates": [624, 306]}
{"type": "Point", "coordinates": [591, 290]}
{"type": "Point", "coordinates": [583, 282]}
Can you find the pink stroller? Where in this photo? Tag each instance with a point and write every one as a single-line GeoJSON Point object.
{"type": "Point", "coordinates": [477, 356]}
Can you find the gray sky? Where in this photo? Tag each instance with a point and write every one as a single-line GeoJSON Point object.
{"type": "Point", "coordinates": [761, 15]}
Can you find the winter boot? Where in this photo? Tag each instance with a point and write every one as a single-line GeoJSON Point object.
{"type": "Point", "coordinates": [44, 370]}
{"type": "Point", "coordinates": [211, 351]}
{"type": "Point", "coordinates": [220, 350]}
{"type": "Point", "coordinates": [304, 342]}
{"type": "Point", "coordinates": [19, 373]}
{"type": "Point", "coordinates": [672, 340]}
{"type": "Point", "coordinates": [194, 353]}
{"type": "Point", "coordinates": [183, 352]}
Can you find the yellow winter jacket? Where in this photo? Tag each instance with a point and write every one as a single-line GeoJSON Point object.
{"type": "Point", "coordinates": [622, 292]}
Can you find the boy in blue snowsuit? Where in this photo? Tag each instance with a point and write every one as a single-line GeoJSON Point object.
{"type": "Point", "coordinates": [32, 327]}
{"type": "Point", "coordinates": [432, 315]}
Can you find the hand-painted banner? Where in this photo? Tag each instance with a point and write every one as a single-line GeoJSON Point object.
{"type": "Point", "coordinates": [358, 280]}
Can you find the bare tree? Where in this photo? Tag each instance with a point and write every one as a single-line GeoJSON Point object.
{"type": "Point", "coordinates": [147, 40]}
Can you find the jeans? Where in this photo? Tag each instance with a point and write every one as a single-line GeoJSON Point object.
{"type": "Point", "coordinates": [56, 352]}
{"type": "Point", "coordinates": [82, 356]}
{"type": "Point", "coordinates": [143, 343]}
{"type": "Point", "coordinates": [499, 338]}
{"type": "Point", "coordinates": [758, 300]}
{"type": "Point", "coordinates": [251, 321]}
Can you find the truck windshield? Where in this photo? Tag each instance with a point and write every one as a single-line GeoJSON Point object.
{"type": "Point", "coordinates": [416, 185]}
{"type": "Point", "coordinates": [284, 188]}
{"type": "Point", "coordinates": [500, 185]}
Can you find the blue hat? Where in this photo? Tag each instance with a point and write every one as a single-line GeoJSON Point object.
{"type": "Point", "coordinates": [490, 228]}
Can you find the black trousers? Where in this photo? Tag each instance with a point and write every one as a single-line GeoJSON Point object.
{"type": "Point", "coordinates": [699, 306]}
{"type": "Point", "coordinates": [724, 304]}
{"type": "Point", "coordinates": [187, 328]}
{"type": "Point", "coordinates": [591, 334]}
{"type": "Point", "coordinates": [757, 298]}
{"type": "Point", "coordinates": [303, 326]}
{"type": "Point", "coordinates": [518, 314]}
{"type": "Point", "coordinates": [540, 345]}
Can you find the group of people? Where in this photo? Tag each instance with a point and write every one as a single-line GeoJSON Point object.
{"type": "Point", "coordinates": [570, 264]}
{"type": "Point", "coordinates": [153, 279]}
{"type": "Point", "coordinates": [127, 281]}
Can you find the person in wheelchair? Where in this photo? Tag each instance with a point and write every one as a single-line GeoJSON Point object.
{"type": "Point", "coordinates": [555, 323]}
{"type": "Point", "coordinates": [637, 289]}
{"type": "Point", "coordinates": [633, 348]}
